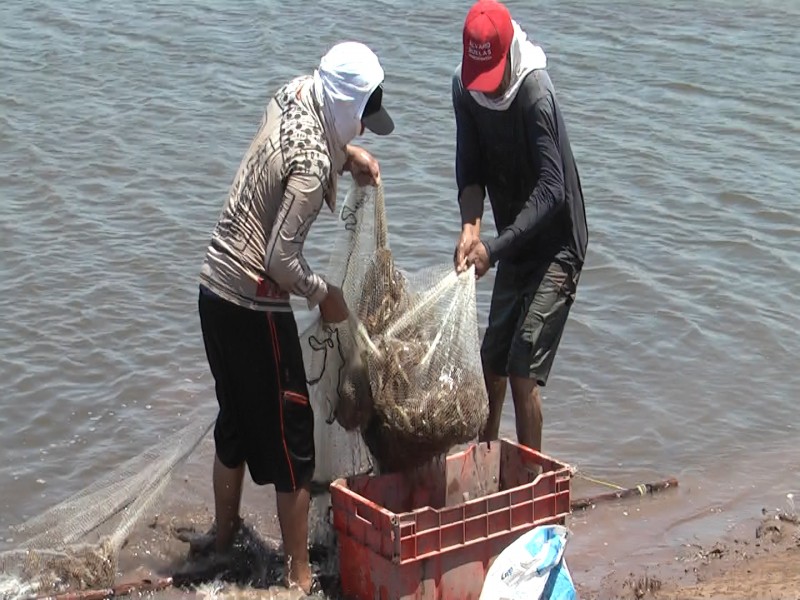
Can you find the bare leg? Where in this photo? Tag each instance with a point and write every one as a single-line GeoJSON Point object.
{"type": "Point", "coordinates": [496, 389]}
{"type": "Point", "coordinates": [528, 409]}
{"type": "Point", "coordinates": [227, 498]}
{"type": "Point", "coordinates": [293, 518]}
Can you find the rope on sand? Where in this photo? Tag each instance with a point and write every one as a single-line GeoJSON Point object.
{"type": "Point", "coordinates": [599, 481]}
{"type": "Point", "coordinates": [122, 589]}
{"type": "Point", "coordinates": [638, 490]}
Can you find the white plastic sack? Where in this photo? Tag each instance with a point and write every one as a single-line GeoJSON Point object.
{"type": "Point", "coordinates": [339, 452]}
{"type": "Point", "coordinates": [532, 568]}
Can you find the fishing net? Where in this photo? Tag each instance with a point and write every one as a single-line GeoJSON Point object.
{"type": "Point", "coordinates": [396, 385]}
{"type": "Point", "coordinates": [75, 545]}
{"type": "Point", "coordinates": [400, 382]}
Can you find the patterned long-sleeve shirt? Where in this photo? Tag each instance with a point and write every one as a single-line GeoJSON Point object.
{"type": "Point", "coordinates": [255, 257]}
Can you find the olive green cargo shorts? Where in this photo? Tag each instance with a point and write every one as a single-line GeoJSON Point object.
{"type": "Point", "coordinates": [529, 309]}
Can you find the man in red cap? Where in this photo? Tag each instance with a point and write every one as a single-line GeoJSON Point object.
{"type": "Point", "coordinates": [512, 144]}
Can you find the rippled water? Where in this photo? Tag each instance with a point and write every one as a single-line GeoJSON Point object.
{"type": "Point", "coordinates": [121, 125]}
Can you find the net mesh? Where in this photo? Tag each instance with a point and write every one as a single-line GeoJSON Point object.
{"type": "Point", "coordinates": [76, 544]}
{"type": "Point", "coordinates": [397, 384]}
{"type": "Point", "coordinates": [401, 381]}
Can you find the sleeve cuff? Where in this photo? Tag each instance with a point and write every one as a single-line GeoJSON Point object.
{"type": "Point", "coordinates": [318, 296]}
{"type": "Point", "coordinates": [490, 249]}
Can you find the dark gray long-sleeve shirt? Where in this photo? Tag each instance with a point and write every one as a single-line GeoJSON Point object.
{"type": "Point", "coordinates": [522, 157]}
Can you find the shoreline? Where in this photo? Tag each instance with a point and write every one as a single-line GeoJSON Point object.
{"type": "Point", "coordinates": [688, 542]}
{"type": "Point", "coordinates": [757, 558]}
{"type": "Point", "coordinates": [708, 537]}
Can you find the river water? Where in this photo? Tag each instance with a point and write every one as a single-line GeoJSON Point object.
{"type": "Point", "coordinates": [122, 124]}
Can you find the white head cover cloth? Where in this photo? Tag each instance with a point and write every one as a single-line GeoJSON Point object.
{"type": "Point", "coordinates": [346, 77]}
{"type": "Point", "coordinates": [525, 57]}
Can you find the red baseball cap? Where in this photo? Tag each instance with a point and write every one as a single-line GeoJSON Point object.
{"type": "Point", "coordinates": [487, 38]}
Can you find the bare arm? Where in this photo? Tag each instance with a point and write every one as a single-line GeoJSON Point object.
{"type": "Point", "coordinates": [362, 165]}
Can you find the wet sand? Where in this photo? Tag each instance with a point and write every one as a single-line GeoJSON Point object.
{"type": "Point", "coordinates": [743, 555]}
{"type": "Point", "coordinates": [760, 558]}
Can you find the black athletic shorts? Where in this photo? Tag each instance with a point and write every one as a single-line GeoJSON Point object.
{"type": "Point", "coordinates": [265, 419]}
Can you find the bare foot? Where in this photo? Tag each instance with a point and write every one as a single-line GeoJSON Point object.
{"type": "Point", "coordinates": [302, 583]}
{"type": "Point", "coordinates": [200, 544]}
{"type": "Point", "coordinates": [203, 569]}
{"type": "Point", "coordinates": [300, 577]}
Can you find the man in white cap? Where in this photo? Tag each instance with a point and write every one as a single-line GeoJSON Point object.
{"type": "Point", "coordinates": [254, 262]}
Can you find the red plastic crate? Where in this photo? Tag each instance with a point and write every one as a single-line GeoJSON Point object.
{"type": "Point", "coordinates": [432, 535]}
